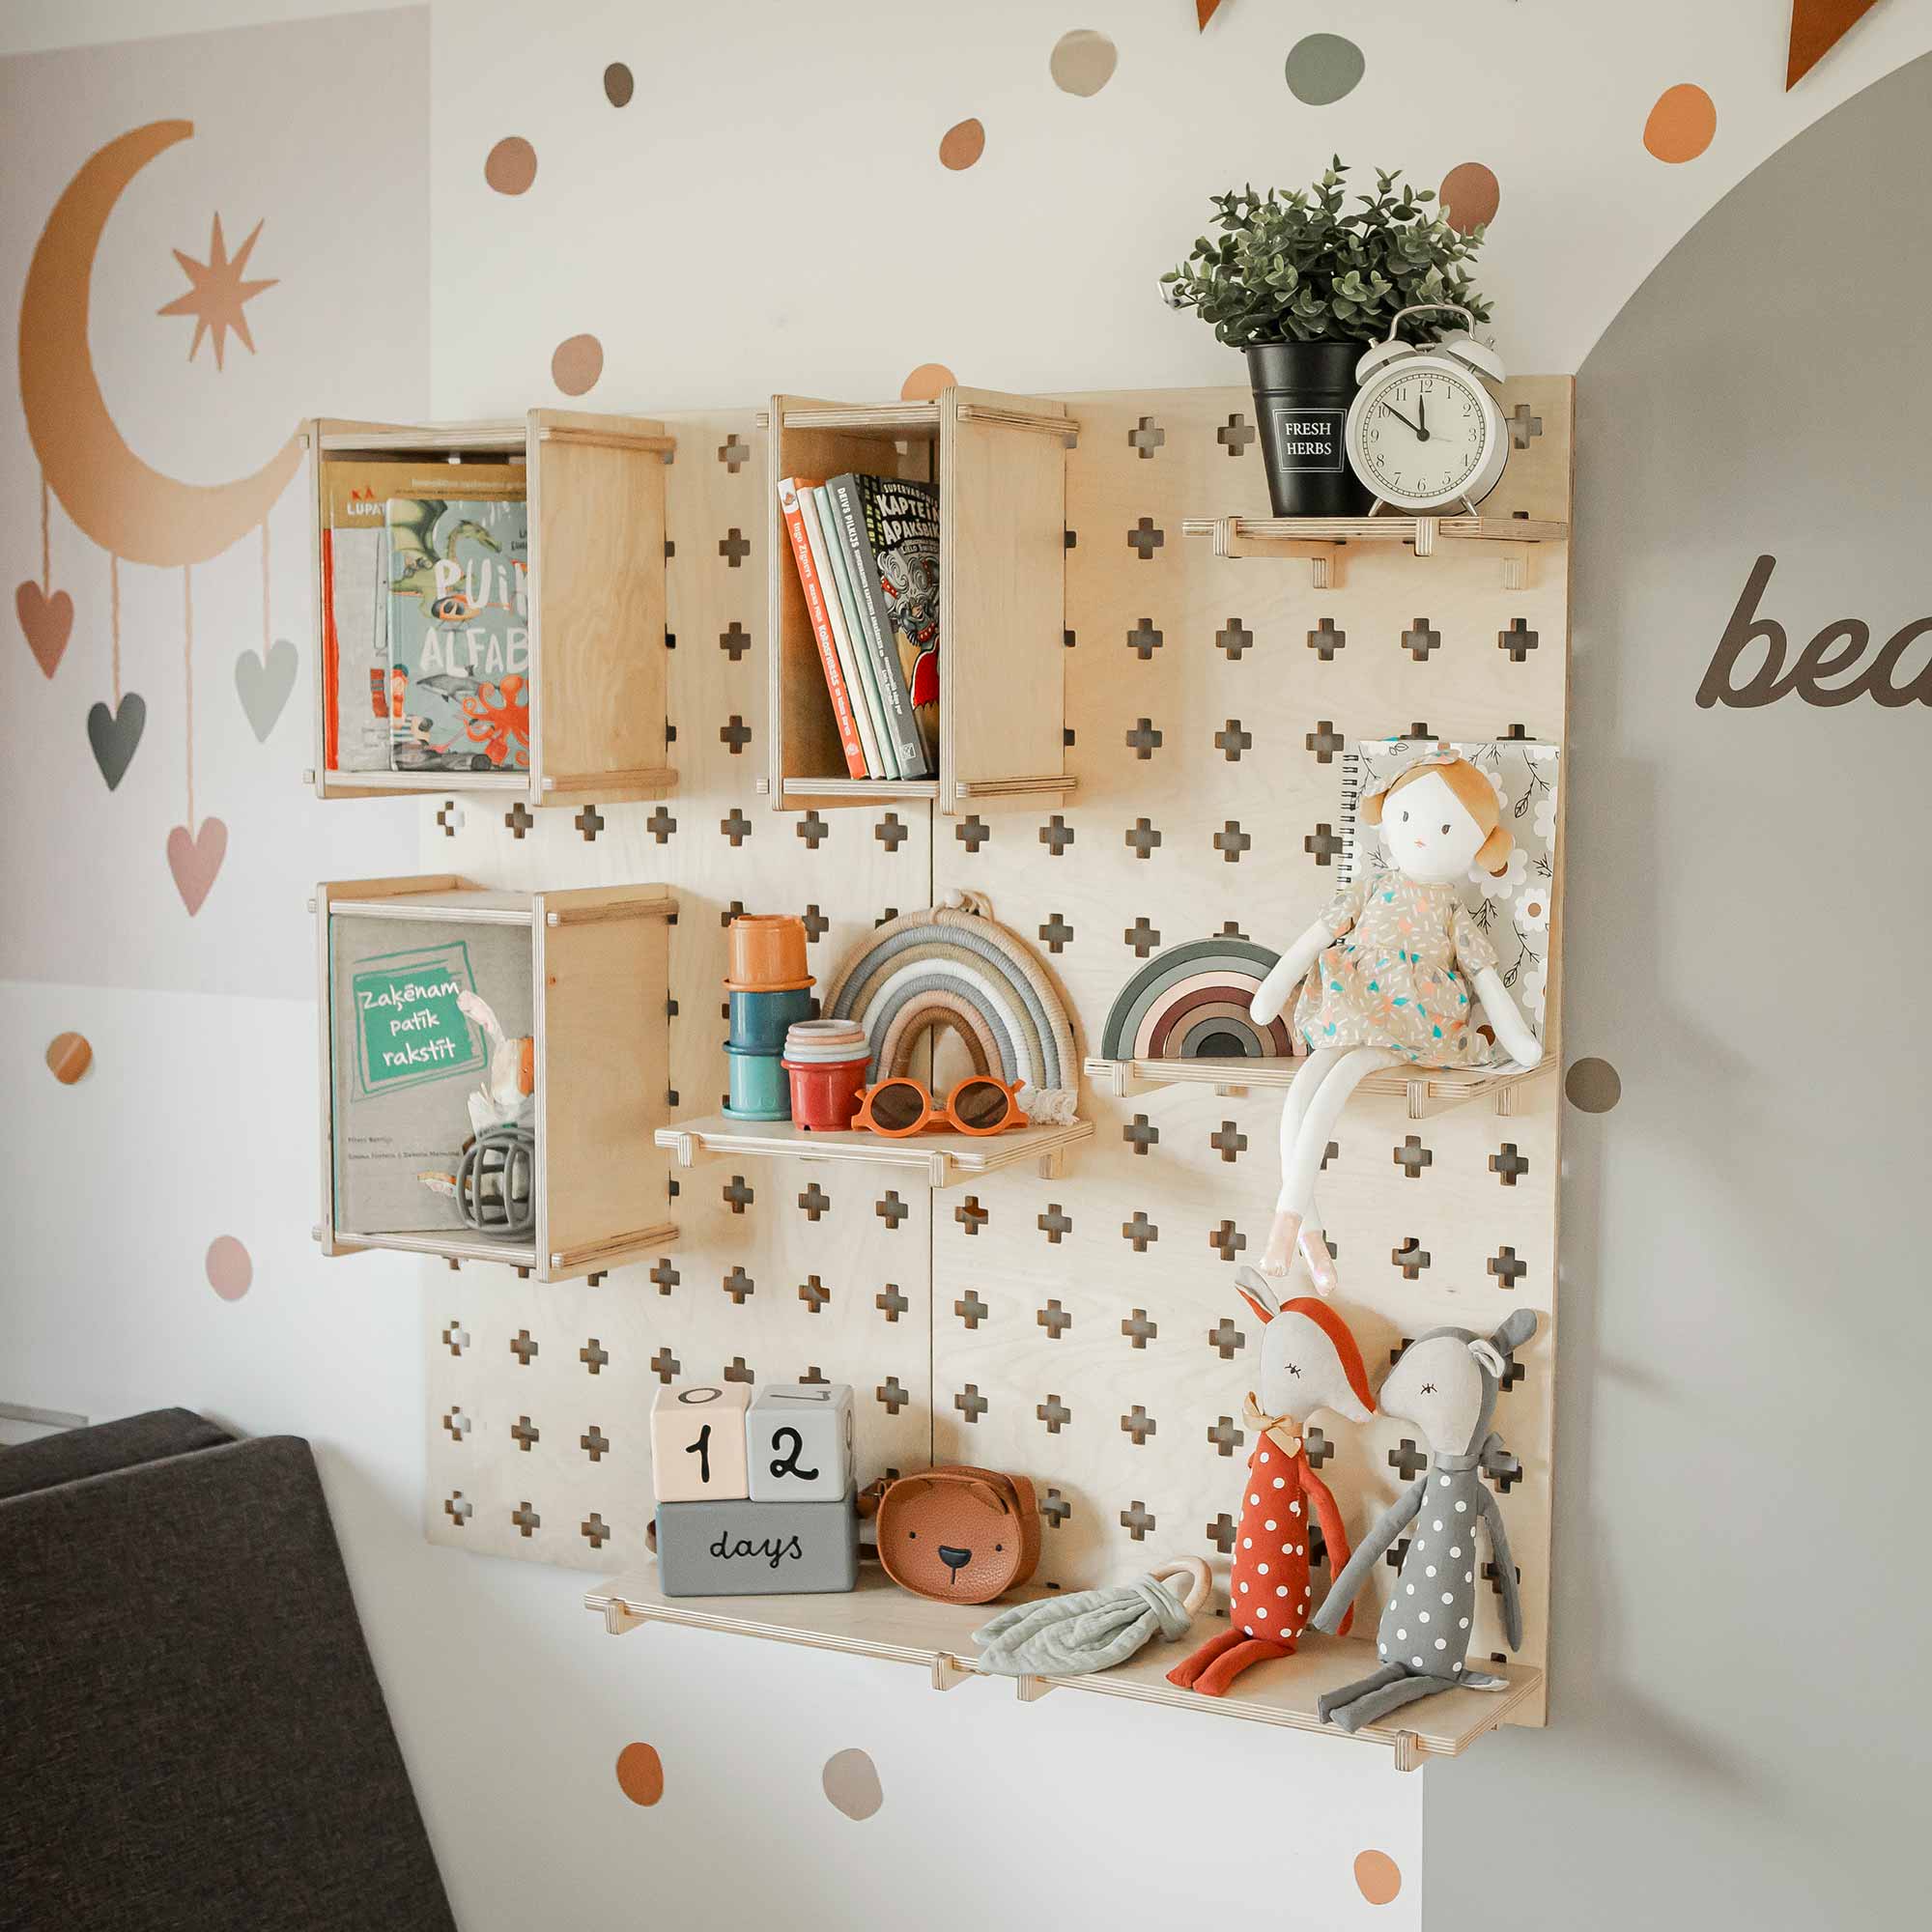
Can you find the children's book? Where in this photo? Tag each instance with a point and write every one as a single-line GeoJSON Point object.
{"type": "Point", "coordinates": [810, 499]}
{"type": "Point", "coordinates": [457, 573]}
{"type": "Point", "coordinates": [790, 491]}
{"type": "Point", "coordinates": [839, 557]}
{"type": "Point", "coordinates": [889, 529]}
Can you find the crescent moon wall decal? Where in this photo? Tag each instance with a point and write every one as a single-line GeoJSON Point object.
{"type": "Point", "coordinates": [129, 508]}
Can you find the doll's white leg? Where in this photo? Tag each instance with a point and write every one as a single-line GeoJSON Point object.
{"type": "Point", "coordinates": [1324, 1109]}
{"type": "Point", "coordinates": [1279, 1253]}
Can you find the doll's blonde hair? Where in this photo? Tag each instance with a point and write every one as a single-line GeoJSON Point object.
{"type": "Point", "coordinates": [1474, 793]}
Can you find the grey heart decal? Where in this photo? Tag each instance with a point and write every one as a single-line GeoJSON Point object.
{"type": "Point", "coordinates": [264, 688]}
{"type": "Point", "coordinates": [114, 735]}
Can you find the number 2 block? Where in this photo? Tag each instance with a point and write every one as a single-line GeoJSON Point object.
{"type": "Point", "coordinates": [800, 1437]}
{"type": "Point", "coordinates": [697, 1441]}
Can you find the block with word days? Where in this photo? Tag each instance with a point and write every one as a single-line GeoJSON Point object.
{"type": "Point", "coordinates": [799, 1442]}
{"type": "Point", "coordinates": [697, 1441]}
{"type": "Point", "coordinates": [757, 1549]}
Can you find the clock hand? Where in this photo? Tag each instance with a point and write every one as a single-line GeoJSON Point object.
{"type": "Point", "coordinates": [1404, 420]}
{"type": "Point", "coordinates": [1422, 414]}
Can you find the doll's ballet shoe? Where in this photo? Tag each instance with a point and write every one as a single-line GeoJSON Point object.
{"type": "Point", "coordinates": [1278, 1257]}
{"type": "Point", "coordinates": [1320, 1263]}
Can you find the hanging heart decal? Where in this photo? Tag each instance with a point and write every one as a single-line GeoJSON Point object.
{"type": "Point", "coordinates": [264, 686]}
{"type": "Point", "coordinates": [115, 734]}
{"type": "Point", "coordinates": [195, 859]}
{"type": "Point", "coordinates": [47, 622]}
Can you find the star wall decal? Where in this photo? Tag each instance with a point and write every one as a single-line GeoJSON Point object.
{"type": "Point", "coordinates": [217, 292]}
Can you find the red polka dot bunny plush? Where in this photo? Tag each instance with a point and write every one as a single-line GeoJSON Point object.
{"type": "Point", "coordinates": [1309, 1361]}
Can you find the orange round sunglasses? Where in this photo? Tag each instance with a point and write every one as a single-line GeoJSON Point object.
{"type": "Point", "coordinates": [903, 1106]}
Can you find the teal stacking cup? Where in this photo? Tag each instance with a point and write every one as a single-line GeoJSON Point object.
{"type": "Point", "coordinates": [760, 1089]}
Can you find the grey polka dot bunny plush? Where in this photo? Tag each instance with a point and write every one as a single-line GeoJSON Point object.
{"type": "Point", "coordinates": [1446, 1382]}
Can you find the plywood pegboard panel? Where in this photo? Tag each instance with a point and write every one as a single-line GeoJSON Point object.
{"type": "Point", "coordinates": [1206, 729]}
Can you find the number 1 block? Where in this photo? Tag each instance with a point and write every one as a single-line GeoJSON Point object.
{"type": "Point", "coordinates": [697, 1442]}
{"type": "Point", "coordinates": [800, 1437]}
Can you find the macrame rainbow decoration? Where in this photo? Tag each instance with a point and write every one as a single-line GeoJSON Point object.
{"type": "Point", "coordinates": [1191, 1002]}
{"type": "Point", "coordinates": [953, 966]}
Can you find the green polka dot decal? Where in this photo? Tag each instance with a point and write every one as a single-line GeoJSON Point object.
{"type": "Point", "coordinates": [1322, 67]}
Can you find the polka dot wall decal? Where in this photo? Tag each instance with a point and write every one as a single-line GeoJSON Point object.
{"type": "Point", "coordinates": [925, 382]}
{"type": "Point", "coordinates": [961, 145]}
{"type": "Point", "coordinates": [69, 1057]}
{"type": "Point", "coordinates": [230, 1271]}
{"type": "Point", "coordinates": [1377, 1877]}
{"type": "Point", "coordinates": [1468, 194]}
{"type": "Point", "coordinates": [1682, 125]}
{"type": "Point", "coordinates": [511, 166]}
{"type": "Point", "coordinates": [851, 1782]}
{"type": "Point", "coordinates": [1593, 1085]}
{"type": "Point", "coordinates": [1082, 62]}
{"type": "Point", "coordinates": [618, 85]}
{"type": "Point", "coordinates": [640, 1774]}
{"type": "Point", "coordinates": [577, 364]}
{"type": "Point", "coordinates": [1322, 68]}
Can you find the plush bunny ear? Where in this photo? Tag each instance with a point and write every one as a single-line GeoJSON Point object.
{"type": "Point", "coordinates": [1516, 1331]}
{"type": "Point", "coordinates": [1370, 810]}
{"type": "Point", "coordinates": [1257, 1294]}
{"type": "Point", "coordinates": [1493, 854]}
{"type": "Point", "coordinates": [1486, 1354]}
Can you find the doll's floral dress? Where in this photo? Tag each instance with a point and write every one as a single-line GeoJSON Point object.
{"type": "Point", "coordinates": [1399, 975]}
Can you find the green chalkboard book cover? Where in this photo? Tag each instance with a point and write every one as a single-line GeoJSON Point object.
{"type": "Point", "coordinates": [405, 1059]}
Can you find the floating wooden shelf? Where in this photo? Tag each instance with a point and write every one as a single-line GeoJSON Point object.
{"type": "Point", "coordinates": [944, 1159]}
{"type": "Point", "coordinates": [1428, 1090]}
{"type": "Point", "coordinates": [1320, 540]}
{"type": "Point", "coordinates": [878, 1619]}
{"type": "Point", "coordinates": [599, 979]}
{"type": "Point", "coordinates": [596, 494]}
{"type": "Point", "coordinates": [1000, 464]}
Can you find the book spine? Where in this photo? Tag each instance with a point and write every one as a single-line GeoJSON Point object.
{"type": "Point", "coordinates": [876, 621]}
{"type": "Point", "coordinates": [821, 628]}
{"type": "Point", "coordinates": [888, 765]}
{"type": "Point", "coordinates": [809, 497]}
{"type": "Point", "coordinates": [331, 648]}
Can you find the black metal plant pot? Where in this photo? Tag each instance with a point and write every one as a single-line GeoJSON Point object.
{"type": "Point", "coordinates": [1302, 392]}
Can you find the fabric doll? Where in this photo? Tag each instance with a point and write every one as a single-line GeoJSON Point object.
{"type": "Point", "coordinates": [1446, 1382]}
{"type": "Point", "coordinates": [1386, 978]}
{"type": "Point", "coordinates": [1309, 1361]}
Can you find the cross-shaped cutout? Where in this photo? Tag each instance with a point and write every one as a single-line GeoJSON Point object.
{"type": "Point", "coordinates": [972, 832]}
{"type": "Point", "coordinates": [1411, 1258]}
{"type": "Point", "coordinates": [889, 1302]}
{"type": "Point", "coordinates": [1144, 740]}
{"type": "Point", "coordinates": [593, 1354]}
{"type": "Point", "coordinates": [1232, 741]}
{"type": "Point", "coordinates": [1332, 1151]}
{"type": "Point", "coordinates": [814, 830]}
{"type": "Point", "coordinates": [1224, 1338]}
{"type": "Point", "coordinates": [1325, 741]}
{"type": "Point", "coordinates": [892, 1210]}
{"type": "Point", "coordinates": [1140, 1231]}
{"type": "Point", "coordinates": [1233, 638]}
{"type": "Point", "coordinates": [1235, 435]}
{"type": "Point", "coordinates": [523, 1348]}
{"type": "Point", "coordinates": [1420, 639]}
{"type": "Point", "coordinates": [1522, 425]}
{"type": "Point", "coordinates": [664, 1275]}
{"type": "Point", "coordinates": [1138, 1329]}
{"type": "Point", "coordinates": [1055, 1413]}
{"type": "Point", "coordinates": [457, 1507]}
{"type": "Point", "coordinates": [1515, 734]}
{"type": "Point", "coordinates": [1315, 1446]}
{"type": "Point", "coordinates": [736, 910]}
{"type": "Point", "coordinates": [1056, 932]}
{"type": "Point", "coordinates": [596, 1530]}
{"type": "Point", "coordinates": [1226, 1436]}
{"type": "Point", "coordinates": [450, 816]}
{"type": "Point", "coordinates": [734, 454]}
{"type": "Point", "coordinates": [526, 1518]}
{"type": "Point", "coordinates": [1055, 1508]}
{"type": "Point", "coordinates": [893, 1394]}
{"type": "Point", "coordinates": [1221, 1532]}
{"type": "Point", "coordinates": [457, 1423]}
{"type": "Point", "coordinates": [971, 1215]}
{"type": "Point", "coordinates": [735, 735]}
{"type": "Point", "coordinates": [1407, 1460]}
{"type": "Point", "coordinates": [736, 1370]}
{"type": "Point", "coordinates": [1140, 1133]}
{"type": "Point", "coordinates": [733, 547]}
{"type": "Point", "coordinates": [1501, 1468]}
{"type": "Point", "coordinates": [738, 1284]}
{"type": "Point", "coordinates": [812, 1378]}
{"type": "Point", "coordinates": [1053, 1224]}
{"type": "Point", "coordinates": [1142, 937]}
{"type": "Point", "coordinates": [664, 1365]}
{"type": "Point", "coordinates": [1412, 1156]}
{"type": "Point", "coordinates": [1056, 834]}
{"type": "Point", "coordinates": [891, 832]}
{"type": "Point", "coordinates": [1054, 1319]}
{"type": "Point", "coordinates": [734, 641]}
{"type": "Point", "coordinates": [971, 1404]}
{"type": "Point", "coordinates": [1507, 1165]}
{"type": "Point", "coordinates": [1147, 438]}
{"type": "Point", "coordinates": [813, 1202]}
{"type": "Point", "coordinates": [1519, 641]}
{"type": "Point", "coordinates": [590, 822]}
{"type": "Point", "coordinates": [814, 1292]}
{"type": "Point", "coordinates": [1513, 1373]}
{"type": "Point", "coordinates": [1324, 640]}
{"type": "Point", "coordinates": [1227, 1240]}
{"type": "Point", "coordinates": [1229, 1141]}
{"type": "Point", "coordinates": [1492, 1577]}
{"type": "Point", "coordinates": [1145, 539]}
{"type": "Point", "coordinates": [594, 1443]}
{"type": "Point", "coordinates": [817, 925]}
{"type": "Point", "coordinates": [737, 1194]}
{"type": "Point", "coordinates": [519, 819]}
{"type": "Point", "coordinates": [456, 1338]}
{"type": "Point", "coordinates": [970, 1309]}
{"type": "Point", "coordinates": [524, 1434]}
{"type": "Point", "coordinates": [1231, 842]}
{"type": "Point", "coordinates": [1137, 1520]}
{"type": "Point", "coordinates": [736, 827]}
{"type": "Point", "coordinates": [1396, 1553]}
{"type": "Point", "coordinates": [1506, 1267]}
{"type": "Point", "coordinates": [660, 824]}
{"type": "Point", "coordinates": [1324, 844]}
{"type": "Point", "coordinates": [1143, 640]}
{"type": "Point", "coordinates": [1142, 838]}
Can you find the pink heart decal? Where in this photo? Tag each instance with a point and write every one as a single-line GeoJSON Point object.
{"type": "Point", "coordinates": [47, 622]}
{"type": "Point", "coordinates": [195, 861]}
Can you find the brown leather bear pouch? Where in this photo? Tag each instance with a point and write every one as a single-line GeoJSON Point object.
{"type": "Point", "coordinates": [957, 1534]}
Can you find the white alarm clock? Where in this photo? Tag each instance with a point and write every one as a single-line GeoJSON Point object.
{"type": "Point", "coordinates": [1424, 431]}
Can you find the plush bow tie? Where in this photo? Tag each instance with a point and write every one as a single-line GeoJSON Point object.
{"type": "Point", "coordinates": [1280, 1429]}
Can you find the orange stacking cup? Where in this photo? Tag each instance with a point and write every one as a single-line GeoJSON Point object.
{"type": "Point", "coordinates": [766, 952]}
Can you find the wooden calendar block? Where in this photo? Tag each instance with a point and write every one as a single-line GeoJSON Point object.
{"type": "Point", "coordinates": [757, 1549]}
{"type": "Point", "coordinates": [799, 1437]}
{"type": "Point", "coordinates": [697, 1441]}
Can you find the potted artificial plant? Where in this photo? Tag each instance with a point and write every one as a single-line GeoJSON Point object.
{"type": "Point", "coordinates": [1304, 287]}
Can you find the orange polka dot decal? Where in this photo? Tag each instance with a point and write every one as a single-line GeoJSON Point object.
{"type": "Point", "coordinates": [925, 382]}
{"type": "Point", "coordinates": [69, 1055]}
{"type": "Point", "coordinates": [230, 1270]}
{"type": "Point", "coordinates": [1469, 195]}
{"type": "Point", "coordinates": [640, 1774]}
{"type": "Point", "coordinates": [577, 364]}
{"type": "Point", "coordinates": [1682, 125]}
{"type": "Point", "coordinates": [511, 166]}
{"type": "Point", "coordinates": [961, 145]}
{"type": "Point", "coordinates": [1377, 1877]}
{"type": "Point", "coordinates": [619, 84]}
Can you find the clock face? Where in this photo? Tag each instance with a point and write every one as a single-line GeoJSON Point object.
{"type": "Point", "coordinates": [1420, 433]}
